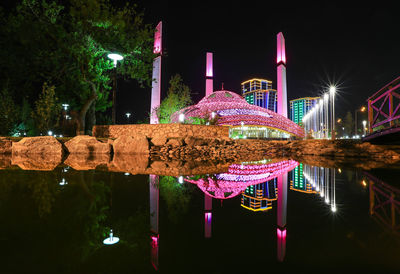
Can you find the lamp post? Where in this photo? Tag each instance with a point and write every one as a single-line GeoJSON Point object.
{"type": "Point", "coordinates": [128, 114]}
{"type": "Point", "coordinates": [362, 109]}
{"type": "Point", "coordinates": [115, 57]}
{"type": "Point", "coordinates": [332, 91]}
{"type": "Point", "coordinates": [326, 106]}
{"type": "Point", "coordinates": [321, 116]}
{"type": "Point", "coordinates": [364, 126]}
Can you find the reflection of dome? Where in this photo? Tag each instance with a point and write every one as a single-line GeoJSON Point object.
{"type": "Point", "coordinates": [233, 110]}
{"type": "Point", "coordinates": [231, 184]}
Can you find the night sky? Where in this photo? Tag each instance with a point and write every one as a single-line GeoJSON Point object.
{"type": "Point", "coordinates": [355, 48]}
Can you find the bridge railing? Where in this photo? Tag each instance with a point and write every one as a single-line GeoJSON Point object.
{"type": "Point", "coordinates": [384, 107]}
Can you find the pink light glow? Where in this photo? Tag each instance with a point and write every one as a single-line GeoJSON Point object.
{"type": "Point", "coordinates": [208, 216]}
{"type": "Point", "coordinates": [239, 177]}
{"type": "Point", "coordinates": [154, 251]}
{"type": "Point", "coordinates": [154, 240]}
{"type": "Point", "coordinates": [281, 233]}
{"type": "Point", "coordinates": [233, 110]}
{"type": "Point", "coordinates": [157, 39]}
{"type": "Point", "coordinates": [281, 54]}
{"type": "Point", "coordinates": [209, 66]}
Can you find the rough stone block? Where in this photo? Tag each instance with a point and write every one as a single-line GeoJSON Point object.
{"type": "Point", "coordinates": [45, 145]}
{"type": "Point", "coordinates": [128, 144]}
{"type": "Point", "coordinates": [5, 145]}
{"type": "Point", "coordinates": [84, 144]}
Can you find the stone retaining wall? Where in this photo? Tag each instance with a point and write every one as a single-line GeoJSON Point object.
{"type": "Point", "coordinates": [161, 130]}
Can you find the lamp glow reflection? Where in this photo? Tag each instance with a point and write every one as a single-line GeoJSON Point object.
{"type": "Point", "coordinates": [111, 240]}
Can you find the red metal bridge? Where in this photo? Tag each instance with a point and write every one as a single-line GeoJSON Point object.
{"type": "Point", "coordinates": [384, 114]}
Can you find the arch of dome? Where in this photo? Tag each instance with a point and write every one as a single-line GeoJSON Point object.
{"type": "Point", "coordinates": [227, 108]}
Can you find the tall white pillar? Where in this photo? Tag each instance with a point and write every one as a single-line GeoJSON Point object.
{"type": "Point", "coordinates": [209, 74]}
{"type": "Point", "coordinates": [281, 76]}
{"type": "Point", "coordinates": [156, 83]}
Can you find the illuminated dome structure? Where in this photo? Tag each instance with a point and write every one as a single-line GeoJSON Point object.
{"type": "Point", "coordinates": [245, 120]}
{"type": "Point", "coordinates": [240, 176]}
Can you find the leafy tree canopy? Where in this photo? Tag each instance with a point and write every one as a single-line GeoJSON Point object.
{"type": "Point", "coordinates": [65, 43]}
{"type": "Point", "coordinates": [178, 97]}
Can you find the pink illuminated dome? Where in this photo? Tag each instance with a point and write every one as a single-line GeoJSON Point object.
{"type": "Point", "coordinates": [243, 118]}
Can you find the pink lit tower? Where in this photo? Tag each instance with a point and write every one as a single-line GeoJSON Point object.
{"type": "Point", "coordinates": [156, 84]}
{"type": "Point", "coordinates": [281, 81]}
{"type": "Point", "coordinates": [209, 74]}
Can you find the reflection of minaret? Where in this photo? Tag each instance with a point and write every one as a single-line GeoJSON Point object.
{"type": "Point", "coordinates": [156, 84]}
{"type": "Point", "coordinates": [209, 74]}
{"type": "Point", "coordinates": [281, 77]}
{"type": "Point", "coordinates": [207, 216]}
{"type": "Point", "coordinates": [154, 200]}
{"type": "Point", "coordinates": [281, 214]}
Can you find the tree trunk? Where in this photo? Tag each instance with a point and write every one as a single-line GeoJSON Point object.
{"type": "Point", "coordinates": [91, 118]}
{"type": "Point", "coordinates": [80, 121]}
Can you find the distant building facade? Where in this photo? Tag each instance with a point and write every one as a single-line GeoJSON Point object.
{"type": "Point", "coordinates": [259, 197]}
{"type": "Point", "coordinates": [298, 181]}
{"type": "Point", "coordinates": [299, 108]}
{"type": "Point", "coordinates": [259, 92]}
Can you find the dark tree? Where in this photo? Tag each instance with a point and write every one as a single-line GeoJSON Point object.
{"type": "Point", "coordinates": [65, 43]}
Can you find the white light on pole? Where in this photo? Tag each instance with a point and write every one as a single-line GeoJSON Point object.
{"type": "Point", "coordinates": [326, 99]}
{"type": "Point", "coordinates": [65, 106]}
{"type": "Point", "coordinates": [364, 126]}
{"type": "Point", "coordinates": [332, 91]}
{"type": "Point", "coordinates": [128, 114]}
{"type": "Point", "coordinates": [115, 57]}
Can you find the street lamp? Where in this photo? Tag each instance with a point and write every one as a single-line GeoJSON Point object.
{"type": "Point", "coordinates": [65, 106]}
{"type": "Point", "coordinates": [128, 114]}
{"type": "Point", "coordinates": [332, 91]}
{"type": "Point", "coordinates": [326, 99]}
{"type": "Point", "coordinates": [115, 57]}
{"type": "Point", "coordinates": [362, 109]}
{"type": "Point", "coordinates": [364, 126]}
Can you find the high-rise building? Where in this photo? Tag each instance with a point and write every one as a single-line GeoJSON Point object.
{"type": "Point", "coordinates": [298, 181]}
{"type": "Point", "coordinates": [259, 197]}
{"type": "Point", "coordinates": [299, 107]}
{"type": "Point", "coordinates": [259, 92]}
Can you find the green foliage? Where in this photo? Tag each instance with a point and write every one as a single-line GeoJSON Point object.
{"type": "Point", "coordinates": [8, 112]}
{"type": "Point", "coordinates": [178, 97]}
{"type": "Point", "coordinates": [47, 109]}
{"type": "Point", "coordinates": [205, 119]}
{"type": "Point", "coordinates": [176, 196]}
{"type": "Point", "coordinates": [68, 43]}
{"type": "Point", "coordinates": [348, 124]}
{"type": "Point", "coordinates": [26, 125]}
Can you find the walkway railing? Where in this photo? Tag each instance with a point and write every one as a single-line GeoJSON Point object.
{"type": "Point", "coordinates": [384, 107]}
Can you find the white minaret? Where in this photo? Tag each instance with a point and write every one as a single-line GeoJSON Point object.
{"type": "Point", "coordinates": [156, 84]}
{"type": "Point", "coordinates": [281, 71]}
{"type": "Point", "coordinates": [209, 74]}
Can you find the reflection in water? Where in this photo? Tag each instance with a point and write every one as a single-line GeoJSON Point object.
{"type": "Point", "coordinates": [317, 180]}
{"type": "Point", "coordinates": [239, 177]}
{"type": "Point", "coordinates": [207, 216]}
{"type": "Point", "coordinates": [384, 204]}
{"type": "Point", "coordinates": [73, 202]}
{"type": "Point", "coordinates": [154, 181]}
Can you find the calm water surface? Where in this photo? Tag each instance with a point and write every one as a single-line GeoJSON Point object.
{"type": "Point", "coordinates": [240, 221]}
